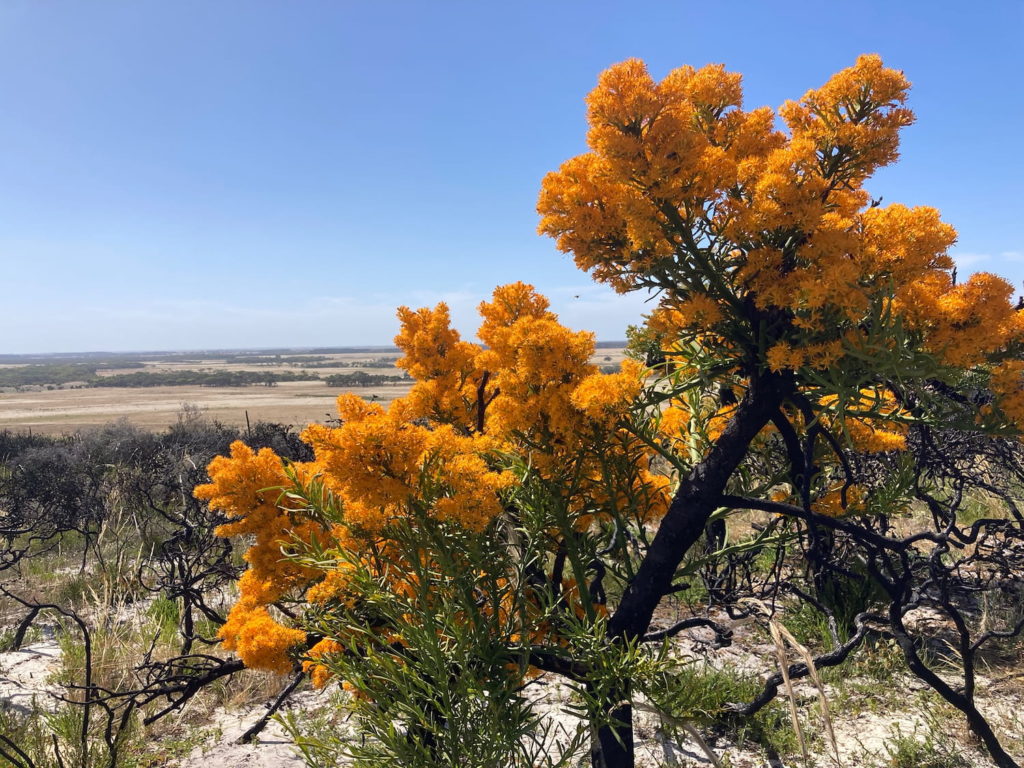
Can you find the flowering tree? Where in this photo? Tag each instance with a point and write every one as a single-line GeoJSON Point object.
{"type": "Point", "coordinates": [520, 511]}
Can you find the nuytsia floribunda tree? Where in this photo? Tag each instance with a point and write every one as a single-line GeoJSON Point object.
{"type": "Point", "coordinates": [520, 512]}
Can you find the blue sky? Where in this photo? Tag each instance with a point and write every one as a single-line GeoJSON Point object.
{"type": "Point", "coordinates": [183, 175]}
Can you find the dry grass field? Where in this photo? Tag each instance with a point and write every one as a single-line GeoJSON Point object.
{"type": "Point", "coordinates": [53, 411]}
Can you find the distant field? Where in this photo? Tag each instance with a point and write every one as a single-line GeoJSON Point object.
{"type": "Point", "coordinates": [65, 409]}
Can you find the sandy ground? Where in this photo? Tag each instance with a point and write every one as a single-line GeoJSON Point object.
{"type": "Point", "coordinates": [24, 675]}
{"type": "Point", "coordinates": [65, 410]}
{"type": "Point", "coordinates": [272, 749]}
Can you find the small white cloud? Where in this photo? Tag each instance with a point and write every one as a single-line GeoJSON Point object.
{"type": "Point", "coordinates": [967, 261]}
{"type": "Point", "coordinates": [600, 309]}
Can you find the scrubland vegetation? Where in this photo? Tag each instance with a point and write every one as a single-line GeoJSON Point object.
{"type": "Point", "coordinates": [109, 558]}
{"type": "Point", "coordinates": [787, 530]}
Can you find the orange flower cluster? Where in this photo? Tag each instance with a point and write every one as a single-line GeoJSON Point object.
{"type": "Point", "coordinates": [531, 391]}
{"type": "Point", "coordinates": [246, 487]}
{"type": "Point", "coordinates": [679, 422]}
{"type": "Point", "coordinates": [764, 239]}
{"type": "Point", "coordinates": [785, 357]}
{"type": "Point", "coordinates": [314, 666]}
{"type": "Point", "coordinates": [832, 504]}
{"type": "Point", "coordinates": [379, 462]}
{"type": "Point", "coordinates": [538, 363]}
{"type": "Point", "coordinates": [836, 500]}
{"type": "Point", "coordinates": [443, 366]}
{"type": "Point", "coordinates": [872, 421]}
{"type": "Point", "coordinates": [1007, 382]}
{"type": "Point", "coordinates": [605, 397]}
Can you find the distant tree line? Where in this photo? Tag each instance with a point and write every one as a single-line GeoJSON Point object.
{"type": "Point", "coordinates": [363, 379]}
{"type": "Point", "coordinates": [61, 373]}
{"type": "Point", "coordinates": [88, 375]}
{"type": "Point", "coordinates": [311, 361]}
{"type": "Point", "coordinates": [378, 362]}
{"type": "Point", "coordinates": [274, 359]}
{"type": "Point", "coordinates": [201, 378]}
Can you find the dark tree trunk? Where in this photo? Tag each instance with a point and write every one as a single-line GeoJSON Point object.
{"type": "Point", "coordinates": [695, 500]}
{"type": "Point", "coordinates": [828, 587]}
{"type": "Point", "coordinates": [609, 751]}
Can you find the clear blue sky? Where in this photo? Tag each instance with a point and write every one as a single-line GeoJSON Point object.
{"type": "Point", "coordinates": [255, 173]}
